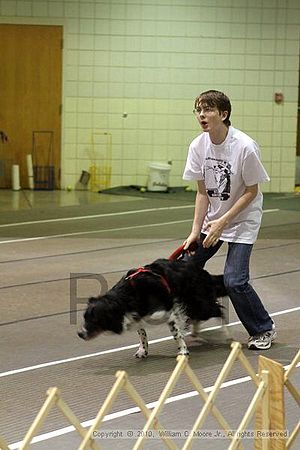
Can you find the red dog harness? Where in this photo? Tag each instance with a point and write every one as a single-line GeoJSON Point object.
{"type": "Point", "coordinates": [143, 270]}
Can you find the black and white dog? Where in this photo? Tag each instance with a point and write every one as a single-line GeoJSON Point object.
{"type": "Point", "coordinates": [174, 292]}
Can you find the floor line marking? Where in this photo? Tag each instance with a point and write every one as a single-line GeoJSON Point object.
{"type": "Point", "coordinates": [118, 349]}
{"type": "Point", "coordinates": [96, 216]}
{"type": "Point", "coordinates": [80, 233]}
{"type": "Point", "coordinates": [134, 410]}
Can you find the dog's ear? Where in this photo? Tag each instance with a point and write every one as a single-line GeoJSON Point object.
{"type": "Point", "coordinates": [92, 301]}
{"type": "Point", "coordinates": [90, 310]}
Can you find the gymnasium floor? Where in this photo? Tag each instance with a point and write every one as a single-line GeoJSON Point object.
{"type": "Point", "coordinates": [48, 240]}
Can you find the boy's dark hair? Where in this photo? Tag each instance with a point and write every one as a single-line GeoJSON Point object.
{"type": "Point", "coordinates": [215, 99]}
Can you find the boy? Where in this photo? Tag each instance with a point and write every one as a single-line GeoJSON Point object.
{"type": "Point", "coordinates": [226, 164]}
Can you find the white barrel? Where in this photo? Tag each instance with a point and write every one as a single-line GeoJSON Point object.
{"type": "Point", "coordinates": [158, 179]}
{"type": "Point", "coordinates": [15, 176]}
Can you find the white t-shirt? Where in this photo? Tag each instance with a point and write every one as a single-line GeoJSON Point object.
{"type": "Point", "coordinates": [226, 170]}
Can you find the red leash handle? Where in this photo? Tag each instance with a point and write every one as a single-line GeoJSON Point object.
{"type": "Point", "coordinates": [179, 252]}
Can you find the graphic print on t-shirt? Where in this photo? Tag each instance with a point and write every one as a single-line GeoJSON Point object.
{"type": "Point", "coordinates": [217, 178]}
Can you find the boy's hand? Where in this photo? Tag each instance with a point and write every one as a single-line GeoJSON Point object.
{"type": "Point", "coordinates": [214, 228]}
{"type": "Point", "coordinates": [193, 237]}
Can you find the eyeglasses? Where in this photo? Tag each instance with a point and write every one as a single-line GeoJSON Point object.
{"type": "Point", "coordinates": [204, 110]}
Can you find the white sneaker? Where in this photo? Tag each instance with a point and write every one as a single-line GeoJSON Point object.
{"type": "Point", "coordinates": [262, 341]}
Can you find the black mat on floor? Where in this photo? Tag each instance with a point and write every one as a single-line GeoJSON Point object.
{"type": "Point", "coordinates": [288, 201]}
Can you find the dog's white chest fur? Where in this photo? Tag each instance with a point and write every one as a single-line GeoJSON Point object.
{"type": "Point", "coordinates": [158, 317]}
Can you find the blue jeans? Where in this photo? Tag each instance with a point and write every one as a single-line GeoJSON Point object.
{"type": "Point", "coordinates": [245, 300]}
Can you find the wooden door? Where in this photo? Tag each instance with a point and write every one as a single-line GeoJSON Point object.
{"type": "Point", "coordinates": [30, 89]}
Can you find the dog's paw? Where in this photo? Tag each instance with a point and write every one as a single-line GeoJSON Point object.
{"type": "Point", "coordinates": [141, 353]}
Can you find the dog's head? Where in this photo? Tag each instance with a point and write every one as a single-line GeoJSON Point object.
{"type": "Point", "coordinates": [140, 293]}
{"type": "Point", "coordinates": [103, 314]}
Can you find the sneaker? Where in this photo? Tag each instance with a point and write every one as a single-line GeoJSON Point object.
{"type": "Point", "coordinates": [262, 341]}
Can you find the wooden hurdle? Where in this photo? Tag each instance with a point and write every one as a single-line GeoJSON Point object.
{"type": "Point", "coordinates": [267, 403]}
{"type": "Point", "coordinates": [182, 367]}
{"type": "Point", "coordinates": [277, 381]}
{"type": "Point", "coordinates": [295, 394]}
{"type": "Point", "coordinates": [52, 400]}
{"type": "Point", "coordinates": [3, 444]}
{"type": "Point", "coordinates": [273, 418]}
{"type": "Point", "coordinates": [122, 382]}
{"type": "Point", "coordinates": [260, 395]}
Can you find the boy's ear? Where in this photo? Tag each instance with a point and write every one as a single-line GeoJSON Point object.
{"type": "Point", "coordinates": [224, 115]}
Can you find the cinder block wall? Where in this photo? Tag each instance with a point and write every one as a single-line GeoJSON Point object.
{"type": "Point", "coordinates": [150, 58]}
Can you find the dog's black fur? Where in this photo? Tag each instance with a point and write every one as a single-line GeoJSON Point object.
{"type": "Point", "coordinates": [175, 292]}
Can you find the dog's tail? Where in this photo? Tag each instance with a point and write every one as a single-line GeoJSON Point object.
{"type": "Point", "coordinates": [218, 281]}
